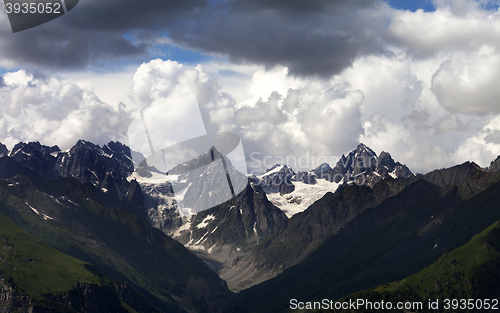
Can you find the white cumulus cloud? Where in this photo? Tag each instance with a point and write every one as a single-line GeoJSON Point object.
{"type": "Point", "coordinates": [55, 112]}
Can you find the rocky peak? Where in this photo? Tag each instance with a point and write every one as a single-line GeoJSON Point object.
{"type": "Point", "coordinates": [275, 166]}
{"type": "Point", "coordinates": [357, 162]}
{"type": "Point", "coordinates": [495, 166]}
{"type": "Point", "coordinates": [279, 169]}
{"type": "Point", "coordinates": [41, 159]}
{"type": "Point", "coordinates": [385, 159]}
{"type": "Point", "coordinates": [453, 175]}
{"type": "Point", "coordinates": [202, 160]}
{"type": "Point", "coordinates": [106, 168]}
{"type": "Point", "coordinates": [278, 179]}
{"type": "Point", "coordinates": [362, 148]}
{"type": "Point", "coordinates": [363, 166]}
{"type": "Point", "coordinates": [325, 166]}
{"type": "Point", "coordinates": [361, 159]}
{"type": "Point", "coordinates": [3, 150]}
{"type": "Point", "coordinates": [387, 167]}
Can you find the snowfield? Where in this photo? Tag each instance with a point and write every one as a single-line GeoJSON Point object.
{"type": "Point", "coordinates": [302, 197]}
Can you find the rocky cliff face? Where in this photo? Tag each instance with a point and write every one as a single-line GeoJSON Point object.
{"type": "Point", "coordinates": [453, 175]}
{"type": "Point", "coordinates": [3, 150]}
{"type": "Point", "coordinates": [90, 298]}
{"type": "Point", "coordinates": [495, 166]}
{"type": "Point", "coordinates": [106, 168]}
{"type": "Point", "coordinates": [41, 159]}
{"type": "Point", "coordinates": [11, 300]}
{"type": "Point", "coordinates": [277, 179]}
{"type": "Point", "coordinates": [84, 298]}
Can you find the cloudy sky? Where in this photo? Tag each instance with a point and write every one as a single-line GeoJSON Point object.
{"type": "Point", "coordinates": [294, 78]}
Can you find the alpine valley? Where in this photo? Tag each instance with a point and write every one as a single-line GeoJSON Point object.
{"type": "Point", "coordinates": [89, 230]}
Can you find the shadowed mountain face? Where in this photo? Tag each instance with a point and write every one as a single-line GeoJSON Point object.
{"type": "Point", "coordinates": [3, 150]}
{"type": "Point", "coordinates": [495, 165]}
{"type": "Point", "coordinates": [10, 168]}
{"type": "Point", "coordinates": [41, 159]}
{"type": "Point", "coordinates": [305, 231]}
{"type": "Point", "coordinates": [35, 277]}
{"type": "Point", "coordinates": [398, 237]}
{"type": "Point", "coordinates": [381, 223]}
{"type": "Point", "coordinates": [105, 168]}
{"type": "Point", "coordinates": [67, 215]}
{"type": "Point", "coordinates": [453, 175]}
{"type": "Point", "coordinates": [471, 271]}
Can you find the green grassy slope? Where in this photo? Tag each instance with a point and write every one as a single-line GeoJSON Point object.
{"type": "Point", "coordinates": [35, 267]}
{"type": "Point", "coordinates": [471, 271]}
{"type": "Point", "coordinates": [35, 276]}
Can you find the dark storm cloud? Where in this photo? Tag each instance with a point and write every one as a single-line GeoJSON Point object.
{"type": "Point", "coordinates": [127, 15]}
{"type": "Point", "coordinates": [92, 33]}
{"type": "Point", "coordinates": [298, 6]}
{"type": "Point", "coordinates": [310, 37]}
{"type": "Point", "coordinates": [66, 49]}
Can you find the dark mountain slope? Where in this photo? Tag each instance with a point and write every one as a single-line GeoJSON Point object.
{"type": "Point", "coordinates": [305, 231]}
{"type": "Point", "coordinates": [453, 175]}
{"type": "Point", "coordinates": [106, 168]}
{"type": "Point", "coordinates": [402, 235]}
{"type": "Point", "coordinates": [495, 165]}
{"type": "Point", "coordinates": [471, 271]}
{"type": "Point", "coordinates": [35, 277]}
{"type": "Point", "coordinates": [66, 215]}
{"type": "Point", "coordinates": [10, 168]}
{"type": "Point", "coordinates": [3, 150]}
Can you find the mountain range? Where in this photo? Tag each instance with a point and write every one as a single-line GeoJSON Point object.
{"type": "Point", "coordinates": [328, 232]}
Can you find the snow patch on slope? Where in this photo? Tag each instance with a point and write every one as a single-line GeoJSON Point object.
{"type": "Point", "coordinates": [184, 227]}
{"type": "Point", "coordinates": [46, 217]}
{"type": "Point", "coordinates": [32, 208]}
{"type": "Point", "coordinates": [205, 221]}
{"type": "Point", "coordinates": [302, 197]}
{"type": "Point", "coordinates": [393, 174]}
{"type": "Point", "coordinates": [276, 170]}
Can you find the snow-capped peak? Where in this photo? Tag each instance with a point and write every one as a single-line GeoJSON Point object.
{"type": "Point", "coordinates": [323, 167]}
{"type": "Point", "coordinates": [364, 148]}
